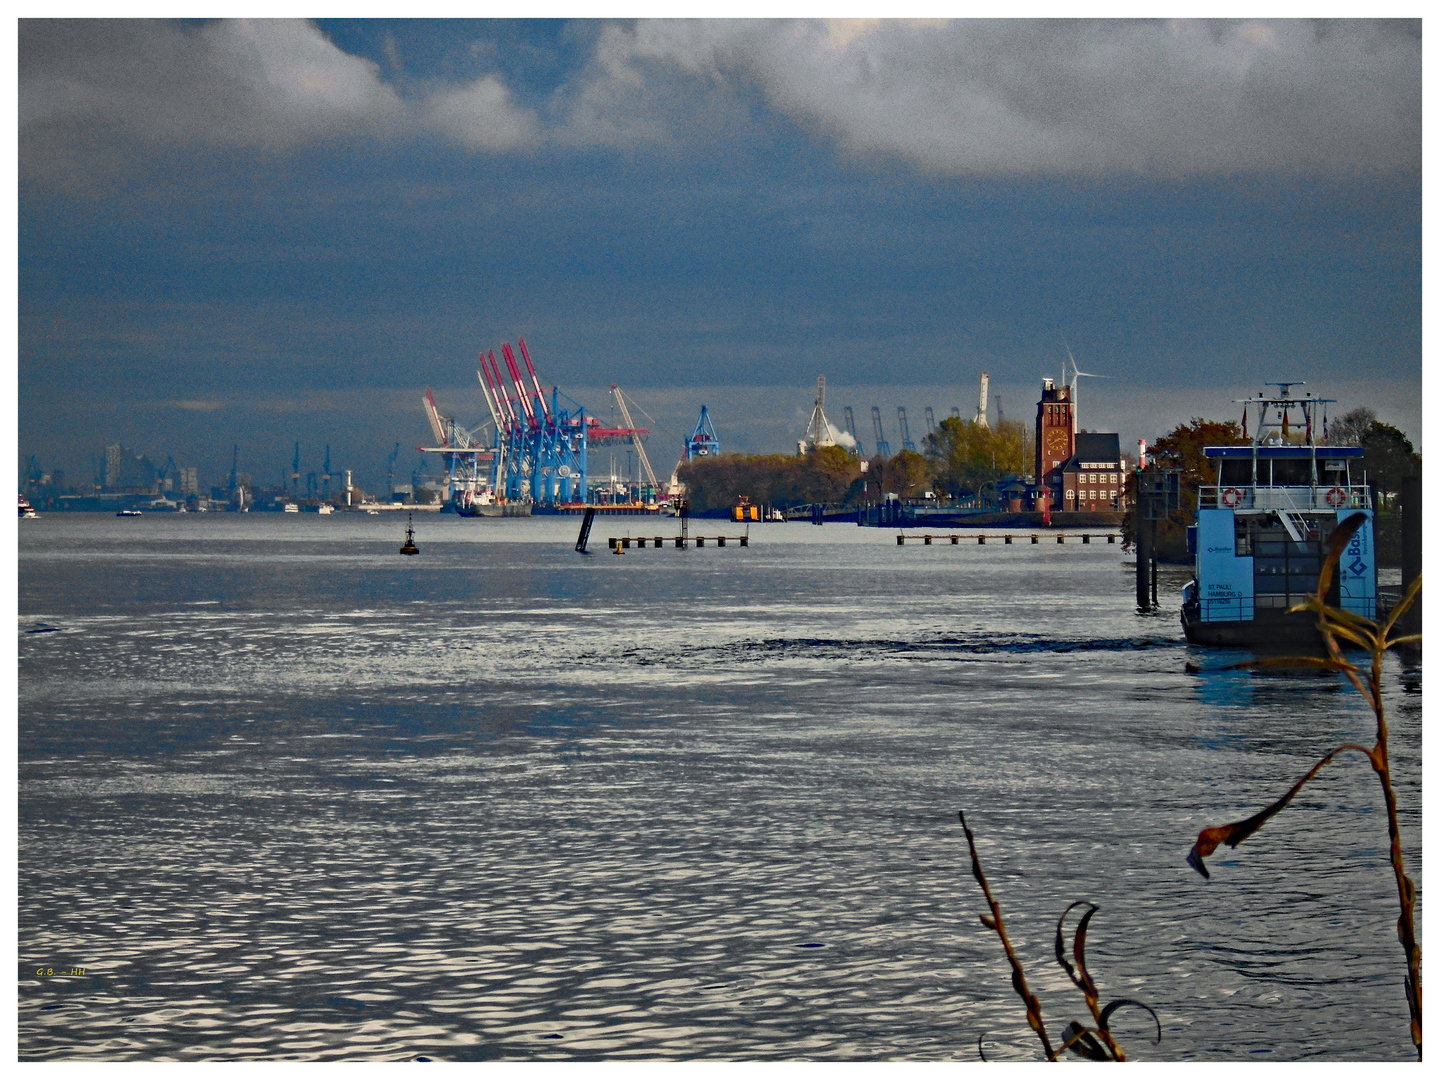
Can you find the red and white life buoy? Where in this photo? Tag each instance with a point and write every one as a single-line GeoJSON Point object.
{"type": "Point", "coordinates": [1336, 497]}
{"type": "Point", "coordinates": [1231, 497]}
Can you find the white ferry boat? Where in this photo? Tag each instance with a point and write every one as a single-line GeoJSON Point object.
{"type": "Point", "coordinates": [1261, 531]}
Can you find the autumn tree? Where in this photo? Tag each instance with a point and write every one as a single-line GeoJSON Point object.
{"type": "Point", "coordinates": [1184, 449]}
{"type": "Point", "coordinates": [964, 455]}
{"type": "Point", "coordinates": [1389, 458]}
{"type": "Point", "coordinates": [1350, 428]}
{"type": "Point", "coordinates": [824, 475]}
{"type": "Point", "coordinates": [907, 475]}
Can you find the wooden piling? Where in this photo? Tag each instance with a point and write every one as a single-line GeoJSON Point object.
{"type": "Point", "coordinates": [1410, 491]}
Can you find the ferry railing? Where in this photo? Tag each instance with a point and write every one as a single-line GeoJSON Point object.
{"type": "Point", "coordinates": [1300, 499]}
{"type": "Point", "coordinates": [1235, 609]}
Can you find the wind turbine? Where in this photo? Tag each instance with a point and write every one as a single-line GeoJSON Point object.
{"type": "Point", "coordinates": [1074, 384]}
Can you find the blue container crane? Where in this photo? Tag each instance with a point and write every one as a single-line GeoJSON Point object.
{"type": "Point", "coordinates": [703, 442]}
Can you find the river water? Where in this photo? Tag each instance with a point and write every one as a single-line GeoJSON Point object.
{"type": "Point", "coordinates": [286, 794]}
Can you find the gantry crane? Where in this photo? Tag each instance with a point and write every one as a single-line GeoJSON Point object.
{"type": "Point", "coordinates": [904, 429]}
{"type": "Point", "coordinates": [635, 438]}
{"type": "Point", "coordinates": [882, 448]}
{"type": "Point", "coordinates": [850, 427]}
{"type": "Point", "coordinates": [817, 432]}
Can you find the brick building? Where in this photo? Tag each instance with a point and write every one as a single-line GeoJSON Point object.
{"type": "Point", "coordinates": [1092, 479]}
{"type": "Point", "coordinates": [1054, 430]}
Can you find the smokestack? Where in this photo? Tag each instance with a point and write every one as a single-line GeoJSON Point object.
{"type": "Point", "coordinates": [984, 399]}
{"type": "Point", "coordinates": [1142, 454]}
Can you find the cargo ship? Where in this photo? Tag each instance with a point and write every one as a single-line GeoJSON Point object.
{"type": "Point", "coordinates": [1262, 529]}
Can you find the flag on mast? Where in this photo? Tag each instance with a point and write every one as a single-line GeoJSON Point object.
{"type": "Point", "coordinates": [1245, 423]}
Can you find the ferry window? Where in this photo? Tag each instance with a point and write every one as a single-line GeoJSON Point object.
{"type": "Point", "coordinates": [1290, 472]}
{"type": "Point", "coordinates": [1234, 471]}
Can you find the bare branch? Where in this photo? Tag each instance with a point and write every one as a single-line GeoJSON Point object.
{"type": "Point", "coordinates": [996, 922]}
{"type": "Point", "coordinates": [1236, 832]}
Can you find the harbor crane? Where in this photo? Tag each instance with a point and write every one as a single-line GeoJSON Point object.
{"type": "Point", "coordinates": [904, 429]}
{"type": "Point", "coordinates": [850, 427]}
{"type": "Point", "coordinates": [541, 451]}
{"type": "Point", "coordinates": [634, 436]}
{"type": "Point", "coordinates": [929, 420]}
{"type": "Point", "coordinates": [162, 474]}
{"type": "Point", "coordinates": [703, 442]}
{"type": "Point", "coordinates": [295, 472]}
{"type": "Point", "coordinates": [460, 451]}
{"type": "Point", "coordinates": [390, 467]}
{"type": "Point", "coordinates": [882, 448]}
{"type": "Point", "coordinates": [817, 432]}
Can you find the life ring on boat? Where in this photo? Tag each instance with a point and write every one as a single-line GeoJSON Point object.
{"type": "Point", "coordinates": [1336, 497]}
{"type": "Point", "coordinates": [1231, 497]}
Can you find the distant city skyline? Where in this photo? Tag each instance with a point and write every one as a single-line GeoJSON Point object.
{"type": "Point", "coordinates": [258, 232]}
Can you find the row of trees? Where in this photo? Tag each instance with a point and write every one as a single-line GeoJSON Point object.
{"type": "Point", "coordinates": [960, 458]}
{"type": "Point", "coordinates": [965, 457]}
{"type": "Point", "coordinates": [825, 475]}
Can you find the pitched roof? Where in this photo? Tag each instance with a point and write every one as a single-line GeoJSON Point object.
{"type": "Point", "coordinates": [1102, 446]}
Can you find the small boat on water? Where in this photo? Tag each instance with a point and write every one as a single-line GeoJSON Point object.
{"type": "Point", "coordinates": [26, 510]}
{"type": "Point", "coordinates": [1262, 531]}
{"type": "Point", "coordinates": [483, 503]}
{"type": "Point", "coordinates": [292, 508]}
{"type": "Point", "coordinates": [127, 513]}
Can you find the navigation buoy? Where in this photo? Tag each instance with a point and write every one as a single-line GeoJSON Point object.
{"type": "Point", "coordinates": [409, 547]}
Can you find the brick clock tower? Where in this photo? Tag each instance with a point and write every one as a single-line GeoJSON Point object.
{"type": "Point", "coordinates": [1054, 430]}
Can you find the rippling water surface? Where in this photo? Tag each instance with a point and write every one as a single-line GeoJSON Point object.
{"type": "Point", "coordinates": [285, 794]}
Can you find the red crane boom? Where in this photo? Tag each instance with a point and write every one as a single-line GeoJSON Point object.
{"type": "Point", "coordinates": [498, 385]}
{"type": "Point", "coordinates": [540, 394]}
{"type": "Point", "coordinates": [519, 383]}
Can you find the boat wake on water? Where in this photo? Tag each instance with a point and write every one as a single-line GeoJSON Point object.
{"type": "Point", "coordinates": [768, 650]}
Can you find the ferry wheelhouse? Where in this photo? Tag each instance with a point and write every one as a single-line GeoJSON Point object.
{"type": "Point", "coordinates": [1261, 531]}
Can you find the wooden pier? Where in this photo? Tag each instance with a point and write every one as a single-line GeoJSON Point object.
{"type": "Point", "coordinates": [621, 543]}
{"type": "Point", "coordinates": [1004, 538]}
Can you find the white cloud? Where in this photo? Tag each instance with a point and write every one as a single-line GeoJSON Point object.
{"type": "Point", "coordinates": [246, 83]}
{"type": "Point", "coordinates": [480, 116]}
{"type": "Point", "coordinates": [297, 83]}
{"type": "Point", "coordinates": [968, 97]}
{"type": "Point", "coordinates": [1026, 96]}
{"type": "Point", "coordinates": [261, 83]}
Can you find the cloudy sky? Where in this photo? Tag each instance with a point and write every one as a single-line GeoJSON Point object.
{"type": "Point", "coordinates": [257, 232]}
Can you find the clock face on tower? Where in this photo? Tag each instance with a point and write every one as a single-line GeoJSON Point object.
{"type": "Point", "coordinates": [1057, 441]}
